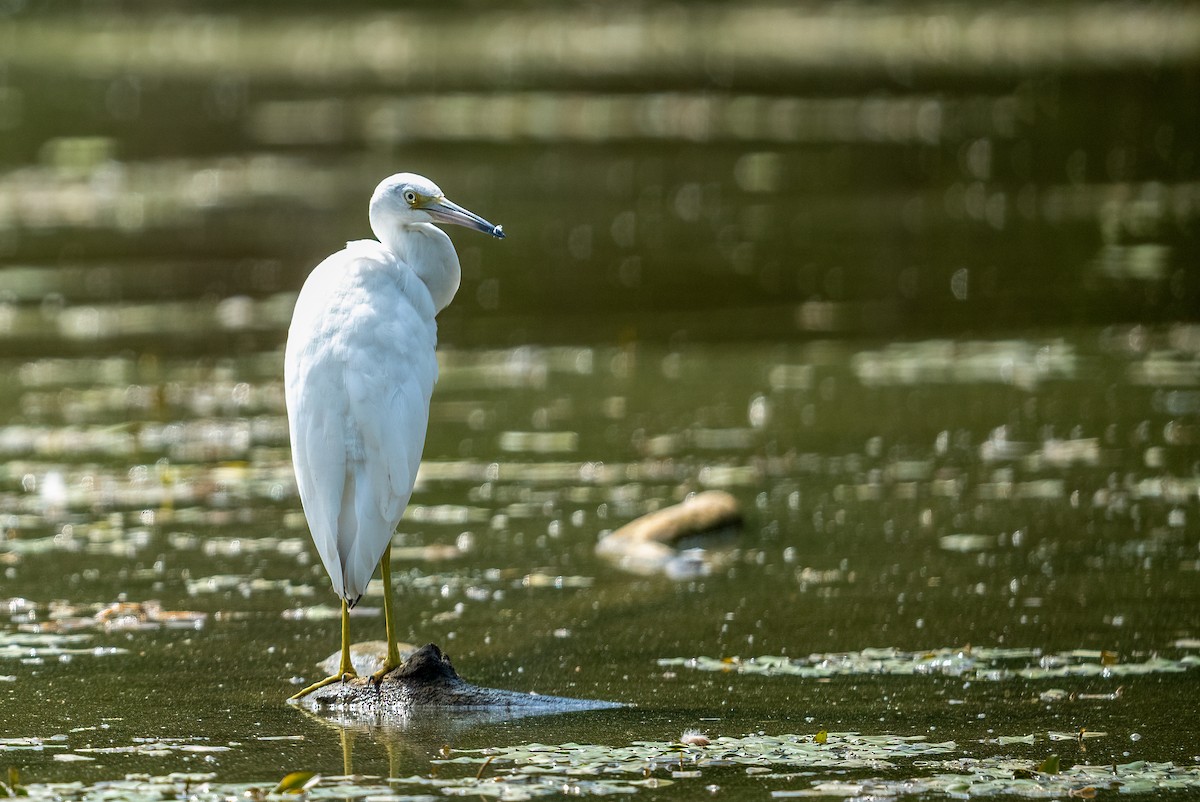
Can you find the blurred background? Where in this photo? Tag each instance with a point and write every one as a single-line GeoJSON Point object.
{"type": "Point", "coordinates": [169, 174]}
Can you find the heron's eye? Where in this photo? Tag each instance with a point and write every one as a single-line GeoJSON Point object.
{"type": "Point", "coordinates": [410, 196]}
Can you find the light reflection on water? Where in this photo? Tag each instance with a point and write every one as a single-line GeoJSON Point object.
{"type": "Point", "coordinates": [415, 49]}
{"type": "Point", "coordinates": [1004, 500]}
{"type": "Point", "coordinates": [736, 228]}
{"type": "Point", "coordinates": [735, 416]}
{"type": "Point", "coordinates": [900, 171]}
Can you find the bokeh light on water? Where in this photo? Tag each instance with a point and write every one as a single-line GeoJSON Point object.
{"type": "Point", "coordinates": [836, 170]}
{"type": "Point", "coordinates": [918, 286]}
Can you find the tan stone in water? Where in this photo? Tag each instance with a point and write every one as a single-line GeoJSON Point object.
{"type": "Point", "coordinates": [649, 544]}
{"type": "Point", "coordinates": [366, 656]}
{"type": "Point", "coordinates": [704, 512]}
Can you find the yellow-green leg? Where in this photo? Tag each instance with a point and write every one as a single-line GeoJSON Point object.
{"type": "Point", "coordinates": [346, 668]}
{"type": "Point", "coordinates": [389, 618]}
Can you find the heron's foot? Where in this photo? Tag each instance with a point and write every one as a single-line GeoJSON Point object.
{"type": "Point", "coordinates": [377, 677]}
{"type": "Point", "coordinates": [321, 684]}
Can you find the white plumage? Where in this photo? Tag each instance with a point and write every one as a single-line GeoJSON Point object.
{"type": "Point", "coordinates": [359, 371]}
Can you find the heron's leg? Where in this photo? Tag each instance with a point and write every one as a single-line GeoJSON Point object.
{"type": "Point", "coordinates": [389, 618]}
{"type": "Point", "coordinates": [345, 668]}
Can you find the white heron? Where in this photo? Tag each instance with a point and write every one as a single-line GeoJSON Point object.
{"type": "Point", "coordinates": [358, 373]}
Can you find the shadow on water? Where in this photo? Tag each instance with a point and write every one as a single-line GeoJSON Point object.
{"type": "Point", "coordinates": [918, 287]}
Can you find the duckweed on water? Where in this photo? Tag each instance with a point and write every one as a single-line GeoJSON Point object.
{"type": "Point", "coordinates": [901, 765]}
{"type": "Point", "coordinates": [995, 777]}
{"type": "Point", "coordinates": [981, 664]}
{"type": "Point", "coordinates": [841, 750]}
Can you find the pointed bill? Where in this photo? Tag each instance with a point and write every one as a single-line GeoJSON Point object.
{"type": "Point", "coordinates": [446, 211]}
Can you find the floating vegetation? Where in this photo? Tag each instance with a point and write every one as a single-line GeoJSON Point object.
{"type": "Point", "coordinates": [979, 663]}
{"type": "Point", "coordinates": [841, 750]}
{"type": "Point", "coordinates": [997, 777]}
{"type": "Point", "coordinates": [824, 764]}
{"type": "Point", "coordinates": [147, 615]}
{"type": "Point", "coordinates": [61, 618]}
{"type": "Point", "coordinates": [33, 743]}
{"type": "Point", "coordinates": [480, 585]}
{"type": "Point", "coordinates": [156, 747]}
{"type": "Point", "coordinates": [489, 584]}
{"type": "Point", "coordinates": [246, 586]}
{"type": "Point", "coordinates": [327, 612]}
{"type": "Point", "coordinates": [1040, 737]}
{"type": "Point", "coordinates": [522, 772]}
{"type": "Point", "coordinates": [35, 646]}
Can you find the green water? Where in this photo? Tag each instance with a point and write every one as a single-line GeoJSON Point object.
{"type": "Point", "coordinates": [932, 322]}
{"type": "Point", "coordinates": [861, 467]}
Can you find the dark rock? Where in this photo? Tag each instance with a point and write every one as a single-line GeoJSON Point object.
{"type": "Point", "coordinates": [427, 680]}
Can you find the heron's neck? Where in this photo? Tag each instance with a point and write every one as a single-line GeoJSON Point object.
{"type": "Point", "coordinates": [428, 252]}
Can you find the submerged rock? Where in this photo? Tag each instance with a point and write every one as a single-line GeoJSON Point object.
{"type": "Point", "coordinates": [427, 681]}
{"type": "Point", "coordinates": [366, 656]}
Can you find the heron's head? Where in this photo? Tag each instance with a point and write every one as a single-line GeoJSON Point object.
{"type": "Point", "coordinates": [407, 198]}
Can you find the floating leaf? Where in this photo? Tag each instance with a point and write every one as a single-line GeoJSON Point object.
{"type": "Point", "coordinates": [297, 782]}
{"type": "Point", "coordinates": [1049, 765]}
{"type": "Point", "coordinates": [13, 787]}
{"type": "Point", "coordinates": [917, 768]}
